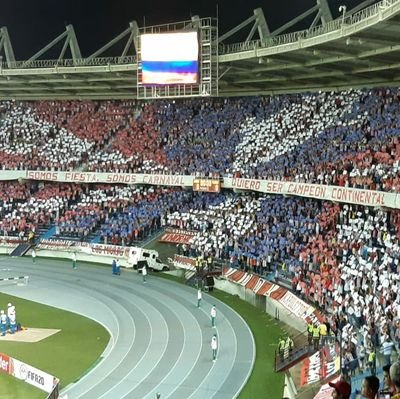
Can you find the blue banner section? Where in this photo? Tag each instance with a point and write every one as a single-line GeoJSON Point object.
{"type": "Point", "coordinates": [170, 66]}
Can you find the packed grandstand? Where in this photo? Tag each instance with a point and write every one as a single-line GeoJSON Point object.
{"type": "Point", "coordinates": [342, 257]}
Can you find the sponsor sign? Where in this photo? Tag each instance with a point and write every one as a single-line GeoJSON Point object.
{"type": "Point", "coordinates": [185, 260]}
{"type": "Point", "coordinates": [176, 236]}
{"type": "Point", "coordinates": [27, 373]}
{"type": "Point", "coordinates": [323, 364]}
{"type": "Point", "coordinates": [4, 364]}
{"type": "Point", "coordinates": [108, 250]}
{"type": "Point", "coordinates": [300, 308]}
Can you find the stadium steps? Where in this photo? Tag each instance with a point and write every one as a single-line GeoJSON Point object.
{"type": "Point", "coordinates": [95, 239]}
{"type": "Point", "coordinates": [46, 233]}
{"type": "Point", "coordinates": [293, 359]}
{"type": "Point", "coordinates": [301, 351]}
{"type": "Point", "coordinates": [190, 277]}
{"type": "Point", "coordinates": [22, 249]}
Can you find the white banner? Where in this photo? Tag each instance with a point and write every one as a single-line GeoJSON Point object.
{"type": "Point", "coordinates": [32, 375]}
{"type": "Point", "coordinates": [124, 178]}
{"type": "Point", "coordinates": [318, 191]}
{"type": "Point", "coordinates": [331, 193]}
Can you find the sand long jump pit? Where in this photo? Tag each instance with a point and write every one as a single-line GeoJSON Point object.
{"type": "Point", "coordinates": [29, 335]}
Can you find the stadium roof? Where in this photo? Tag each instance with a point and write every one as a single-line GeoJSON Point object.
{"type": "Point", "coordinates": [361, 48]}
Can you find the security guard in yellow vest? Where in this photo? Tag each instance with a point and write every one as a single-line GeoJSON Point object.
{"type": "Point", "coordinates": [209, 263]}
{"type": "Point", "coordinates": [284, 268]}
{"type": "Point", "coordinates": [289, 344]}
{"type": "Point", "coordinates": [310, 329]}
{"type": "Point", "coordinates": [323, 332]}
{"type": "Point", "coordinates": [371, 364]}
{"type": "Point", "coordinates": [281, 348]}
{"type": "Point", "coordinates": [315, 337]}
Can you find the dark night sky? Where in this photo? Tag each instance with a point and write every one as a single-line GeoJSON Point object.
{"type": "Point", "coordinates": [34, 23]}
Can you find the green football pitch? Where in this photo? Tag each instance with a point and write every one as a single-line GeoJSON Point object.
{"type": "Point", "coordinates": [74, 345]}
{"type": "Point", "coordinates": [66, 354]}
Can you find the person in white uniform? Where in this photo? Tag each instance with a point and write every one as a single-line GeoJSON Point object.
{"type": "Point", "coordinates": [3, 322]}
{"type": "Point", "coordinates": [214, 347]}
{"type": "Point", "coordinates": [213, 314]}
{"type": "Point", "coordinates": [144, 273]}
{"type": "Point", "coordinates": [199, 297]}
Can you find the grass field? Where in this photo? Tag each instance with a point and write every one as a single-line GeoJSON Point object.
{"type": "Point", "coordinates": [51, 355]}
{"type": "Point", "coordinates": [67, 354]}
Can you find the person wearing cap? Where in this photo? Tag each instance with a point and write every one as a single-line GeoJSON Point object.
{"type": "Point", "coordinates": [370, 387]}
{"type": "Point", "coordinates": [342, 389]}
{"type": "Point", "coordinates": [3, 322]}
{"type": "Point", "coordinates": [213, 314]}
{"type": "Point", "coordinates": [395, 377]}
{"type": "Point", "coordinates": [214, 347]}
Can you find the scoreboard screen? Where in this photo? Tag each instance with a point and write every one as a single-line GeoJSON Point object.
{"type": "Point", "coordinates": [169, 58]}
{"type": "Point", "coordinates": [207, 185]}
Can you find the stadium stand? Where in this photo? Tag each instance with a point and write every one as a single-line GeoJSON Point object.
{"type": "Point", "coordinates": [344, 258]}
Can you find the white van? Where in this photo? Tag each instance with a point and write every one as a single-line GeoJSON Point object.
{"type": "Point", "coordinates": [138, 257]}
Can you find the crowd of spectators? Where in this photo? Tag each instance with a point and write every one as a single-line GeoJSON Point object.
{"type": "Point", "coordinates": [29, 142]}
{"type": "Point", "coordinates": [344, 258]}
{"type": "Point", "coordinates": [346, 138]}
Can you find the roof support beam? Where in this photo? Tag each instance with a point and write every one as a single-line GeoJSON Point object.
{"type": "Point", "coordinates": [132, 31]}
{"type": "Point", "coordinates": [294, 21]}
{"type": "Point", "coordinates": [70, 40]}
{"type": "Point", "coordinates": [236, 29]}
{"type": "Point", "coordinates": [5, 44]}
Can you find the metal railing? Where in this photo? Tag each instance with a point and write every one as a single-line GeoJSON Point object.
{"type": "Point", "coordinates": [332, 26]}
{"type": "Point", "coordinates": [287, 38]}
{"type": "Point", "coordinates": [69, 62]}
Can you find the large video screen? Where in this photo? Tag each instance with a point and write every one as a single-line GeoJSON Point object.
{"type": "Point", "coordinates": [169, 58]}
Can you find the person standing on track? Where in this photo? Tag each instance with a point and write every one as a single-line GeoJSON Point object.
{"type": "Point", "coordinates": [144, 273]}
{"type": "Point", "coordinates": [74, 260]}
{"type": "Point", "coordinates": [213, 314]}
{"type": "Point", "coordinates": [118, 268]}
{"type": "Point", "coordinates": [214, 347]}
{"type": "Point", "coordinates": [33, 256]}
{"type": "Point", "coordinates": [199, 297]}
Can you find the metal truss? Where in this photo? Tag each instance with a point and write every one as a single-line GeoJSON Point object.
{"type": "Point", "coordinates": [360, 48]}
{"type": "Point", "coordinates": [6, 47]}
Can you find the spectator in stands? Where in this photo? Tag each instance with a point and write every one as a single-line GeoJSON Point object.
{"type": "Point", "coordinates": [395, 377]}
{"type": "Point", "coordinates": [388, 386]}
{"type": "Point", "coordinates": [342, 389]}
{"type": "Point", "coordinates": [370, 387]}
{"type": "Point", "coordinates": [387, 350]}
